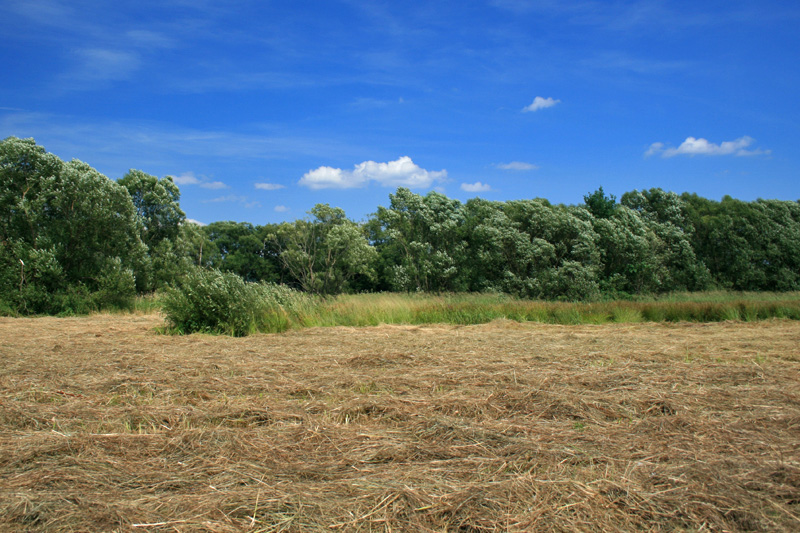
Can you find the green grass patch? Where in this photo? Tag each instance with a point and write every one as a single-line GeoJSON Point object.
{"type": "Point", "coordinates": [213, 302]}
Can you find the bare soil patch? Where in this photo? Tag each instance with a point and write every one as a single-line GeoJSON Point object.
{"type": "Point", "coordinates": [106, 425]}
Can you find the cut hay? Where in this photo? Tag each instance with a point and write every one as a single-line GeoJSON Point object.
{"type": "Point", "coordinates": [106, 425]}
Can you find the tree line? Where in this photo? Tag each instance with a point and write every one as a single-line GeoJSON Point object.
{"type": "Point", "coordinates": [72, 240]}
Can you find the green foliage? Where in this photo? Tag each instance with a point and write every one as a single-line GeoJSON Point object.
{"type": "Point", "coordinates": [421, 242]}
{"type": "Point", "coordinates": [160, 221]}
{"type": "Point", "coordinates": [750, 246]}
{"type": "Point", "coordinates": [600, 205]}
{"type": "Point", "coordinates": [61, 226]}
{"type": "Point", "coordinates": [157, 205]}
{"type": "Point", "coordinates": [71, 241]}
{"type": "Point", "coordinates": [324, 254]}
{"type": "Point", "coordinates": [244, 249]}
{"type": "Point", "coordinates": [211, 301]}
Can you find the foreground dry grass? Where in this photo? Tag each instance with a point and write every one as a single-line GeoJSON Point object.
{"type": "Point", "coordinates": [106, 425]}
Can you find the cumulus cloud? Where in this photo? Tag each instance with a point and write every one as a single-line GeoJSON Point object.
{"type": "Point", "coordinates": [475, 187]}
{"type": "Point", "coordinates": [400, 173]}
{"type": "Point", "coordinates": [692, 147]}
{"type": "Point", "coordinates": [269, 186]}
{"type": "Point", "coordinates": [188, 178]}
{"type": "Point", "coordinates": [195, 222]}
{"type": "Point", "coordinates": [517, 165]}
{"type": "Point", "coordinates": [281, 209]}
{"type": "Point", "coordinates": [540, 103]}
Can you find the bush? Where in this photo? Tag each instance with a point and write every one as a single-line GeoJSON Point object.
{"type": "Point", "coordinates": [218, 302]}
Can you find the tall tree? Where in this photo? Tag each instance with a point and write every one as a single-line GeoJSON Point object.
{"type": "Point", "coordinates": [421, 242]}
{"type": "Point", "coordinates": [66, 226]}
{"type": "Point", "coordinates": [326, 252]}
{"type": "Point", "coordinates": [157, 203]}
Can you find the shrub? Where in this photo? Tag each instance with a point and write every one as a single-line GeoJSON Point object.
{"type": "Point", "coordinates": [222, 302]}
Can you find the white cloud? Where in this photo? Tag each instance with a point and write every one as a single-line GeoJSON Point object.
{"type": "Point", "coordinates": [195, 222]}
{"type": "Point", "coordinates": [188, 178]}
{"type": "Point", "coordinates": [517, 165]}
{"type": "Point", "coordinates": [654, 149]}
{"type": "Point", "coordinates": [269, 186]}
{"type": "Point", "coordinates": [281, 209]}
{"type": "Point", "coordinates": [540, 103]}
{"type": "Point", "coordinates": [692, 147]}
{"type": "Point", "coordinates": [475, 187]}
{"type": "Point", "coordinates": [400, 173]}
{"type": "Point", "coordinates": [233, 198]}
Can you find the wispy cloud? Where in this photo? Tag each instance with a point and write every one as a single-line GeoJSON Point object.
{"type": "Point", "coordinates": [540, 103]}
{"type": "Point", "coordinates": [693, 146]}
{"type": "Point", "coordinates": [234, 198]}
{"type": "Point", "coordinates": [517, 165]}
{"type": "Point", "coordinates": [102, 64]}
{"type": "Point", "coordinates": [621, 62]}
{"type": "Point", "coordinates": [475, 187]}
{"type": "Point", "coordinates": [188, 178]}
{"type": "Point", "coordinates": [114, 145]}
{"type": "Point", "coordinates": [269, 186]}
{"type": "Point", "coordinates": [150, 39]}
{"type": "Point", "coordinates": [281, 209]}
{"type": "Point", "coordinates": [48, 12]}
{"type": "Point", "coordinates": [400, 173]}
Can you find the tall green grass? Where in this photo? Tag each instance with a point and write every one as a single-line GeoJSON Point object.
{"type": "Point", "coordinates": [392, 308]}
{"type": "Point", "coordinates": [241, 308]}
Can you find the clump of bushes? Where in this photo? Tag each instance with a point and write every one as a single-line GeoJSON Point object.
{"type": "Point", "coordinates": [211, 301]}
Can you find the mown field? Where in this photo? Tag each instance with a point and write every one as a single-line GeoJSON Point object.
{"type": "Point", "coordinates": [106, 425]}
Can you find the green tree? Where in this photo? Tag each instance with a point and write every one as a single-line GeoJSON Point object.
{"type": "Point", "coordinates": [246, 250]}
{"type": "Point", "coordinates": [67, 229]}
{"type": "Point", "coordinates": [421, 242]}
{"type": "Point", "coordinates": [600, 205]}
{"type": "Point", "coordinates": [665, 214]}
{"type": "Point", "coordinates": [325, 253]}
{"type": "Point", "coordinates": [157, 203]}
{"type": "Point", "coordinates": [747, 245]}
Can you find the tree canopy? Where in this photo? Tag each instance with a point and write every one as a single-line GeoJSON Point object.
{"type": "Point", "coordinates": [72, 239]}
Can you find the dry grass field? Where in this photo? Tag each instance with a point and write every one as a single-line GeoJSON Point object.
{"type": "Point", "coordinates": [105, 425]}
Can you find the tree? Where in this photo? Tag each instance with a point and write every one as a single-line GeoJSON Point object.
{"type": "Point", "coordinates": [68, 229]}
{"type": "Point", "coordinates": [157, 203]}
{"type": "Point", "coordinates": [600, 205]}
{"type": "Point", "coordinates": [747, 245]}
{"type": "Point", "coordinates": [326, 252]}
{"type": "Point", "coordinates": [245, 249]}
{"type": "Point", "coordinates": [421, 242]}
{"type": "Point", "coordinates": [665, 214]}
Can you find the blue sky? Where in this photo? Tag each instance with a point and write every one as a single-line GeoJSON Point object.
{"type": "Point", "coordinates": [262, 109]}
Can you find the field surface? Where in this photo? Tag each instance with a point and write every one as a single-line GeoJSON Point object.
{"type": "Point", "coordinates": [106, 425]}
